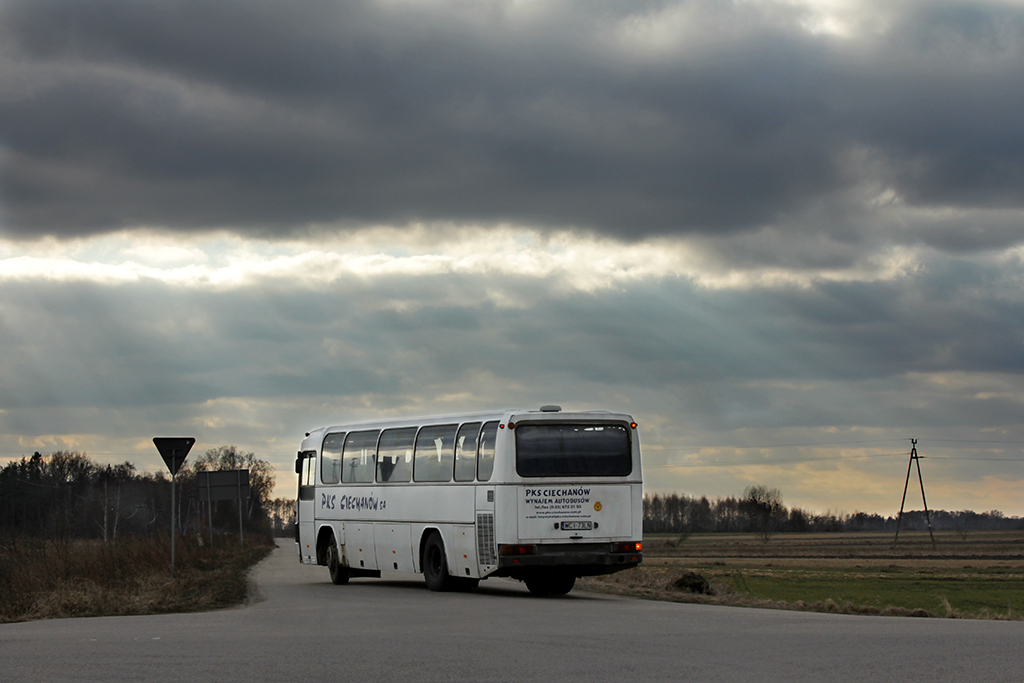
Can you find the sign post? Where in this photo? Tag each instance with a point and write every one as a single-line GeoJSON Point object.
{"type": "Point", "coordinates": [174, 450]}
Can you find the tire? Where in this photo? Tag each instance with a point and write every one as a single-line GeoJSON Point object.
{"type": "Point", "coordinates": [550, 584]}
{"type": "Point", "coordinates": [435, 565]}
{"type": "Point", "coordinates": [339, 574]}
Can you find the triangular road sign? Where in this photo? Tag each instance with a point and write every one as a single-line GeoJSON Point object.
{"type": "Point", "coordinates": [173, 449]}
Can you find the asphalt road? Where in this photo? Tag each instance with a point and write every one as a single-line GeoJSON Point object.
{"type": "Point", "coordinates": [303, 628]}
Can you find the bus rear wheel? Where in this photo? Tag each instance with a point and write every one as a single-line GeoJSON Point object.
{"type": "Point", "coordinates": [435, 565]}
{"type": "Point", "coordinates": [339, 574]}
{"type": "Point", "coordinates": [550, 584]}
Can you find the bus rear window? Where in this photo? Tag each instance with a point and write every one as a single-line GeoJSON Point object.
{"type": "Point", "coordinates": [572, 450]}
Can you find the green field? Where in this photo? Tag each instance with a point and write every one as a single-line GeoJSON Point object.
{"type": "Point", "coordinates": [976, 575]}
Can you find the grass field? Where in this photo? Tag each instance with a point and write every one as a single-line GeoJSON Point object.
{"type": "Point", "coordinates": [973, 575]}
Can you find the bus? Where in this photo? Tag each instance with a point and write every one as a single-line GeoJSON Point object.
{"type": "Point", "coordinates": [542, 496]}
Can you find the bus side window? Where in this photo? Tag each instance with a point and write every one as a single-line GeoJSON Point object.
{"type": "Point", "coordinates": [394, 454]}
{"type": "Point", "coordinates": [485, 460]}
{"type": "Point", "coordinates": [358, 457]}
{"type": "Point", "coordinates": [330, 460]}
{"type": "Point", "coordinates": [435, 453]}
{"type": "Point", "coordinates": [465, 451]}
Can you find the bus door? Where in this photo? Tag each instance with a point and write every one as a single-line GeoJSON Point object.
{"type": "Point", "coordinates": [486, 548]}
{"type": "Point", "coordinates": [306, 468]}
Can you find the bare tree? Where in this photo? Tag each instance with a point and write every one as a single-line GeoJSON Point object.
{"type": "Point", "coordinates": [261, 473]}
{"type": "Point", "coordinates": [765, 510]}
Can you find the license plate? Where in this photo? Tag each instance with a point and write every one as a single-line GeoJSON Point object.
{"type": "Point", "coordinates": [577, 526]}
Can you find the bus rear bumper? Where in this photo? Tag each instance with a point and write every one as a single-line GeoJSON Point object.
{"type": "Point", "coordinates": [578, 559]}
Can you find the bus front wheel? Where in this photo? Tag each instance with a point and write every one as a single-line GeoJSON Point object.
{"type": "Point", "coordinates": [339, 574]}
{"type": "Point", "coordinates": [435, 565]}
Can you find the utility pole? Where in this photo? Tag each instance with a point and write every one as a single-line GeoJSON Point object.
{"type": "Point", "coordinates": [914, 458]}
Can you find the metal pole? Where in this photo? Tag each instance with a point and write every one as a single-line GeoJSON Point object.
{"type": "Point", "coordinates": [173, 510]}
{"type": "Point", "coordinates": [238, 480]}
{"type": "Point", "coordinates": [910, 464]}
{"type": "Point", "coordinates": [209, 505]}
{"type": "Point", "coordinates": [169, 448]}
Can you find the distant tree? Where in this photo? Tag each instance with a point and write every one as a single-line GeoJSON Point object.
{"type": "Point", "coordinates": [760, 510]}
{"type": "Point", "coordinates": [261, 474]}
{"type": "Point", "coordinates": [24, 497]}
{"type": "Point", "coordinates": [282, 516]}
{"type": "Point", "coordinates": [702, 518]}
{"type": "Point", "coordinates": [764, 509]}
{"type": "Point", "coordinates": [863, 521]}
{"type": "Point", "coordinates": [798, 520]}
{"type": "Point", "coordinates": [654, 514]}
{"type": "Point", "coordinates": [109, 483]}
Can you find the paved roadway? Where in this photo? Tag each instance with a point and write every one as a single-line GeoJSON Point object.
{"type": "Point", "coordinates": [303, 628]}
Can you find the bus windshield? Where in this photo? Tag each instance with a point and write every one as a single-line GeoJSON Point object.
{"type": "Point", "coordinates": [571, 450]}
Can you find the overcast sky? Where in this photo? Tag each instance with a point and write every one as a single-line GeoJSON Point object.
{"type": "Point", "coordinates": [784, 235]}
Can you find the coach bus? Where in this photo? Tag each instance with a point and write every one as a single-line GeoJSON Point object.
{"type": "Point", "coordinates": [541, 496]}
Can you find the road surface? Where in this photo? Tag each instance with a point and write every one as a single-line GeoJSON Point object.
{"type": "Point", "coordinates": [303, 628]}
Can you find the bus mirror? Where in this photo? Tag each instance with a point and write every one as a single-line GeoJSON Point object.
{"type": "Point", "coordinates": [298, 465]}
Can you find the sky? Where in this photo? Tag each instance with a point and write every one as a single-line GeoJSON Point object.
{"type": "Point", "coordinates": [785, 235]}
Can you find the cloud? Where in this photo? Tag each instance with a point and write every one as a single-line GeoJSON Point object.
{"type": "Point", "coordinates": [748, 223]}
{"type": "Point", "coordinates": [254, 353]}
{"type": "Point", "coordinates": [251, 323]}
{"type": "Point", "coordinates": [660, 118]}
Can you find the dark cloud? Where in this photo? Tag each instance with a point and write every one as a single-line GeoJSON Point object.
{"type": "Point", "coordinates": [269, 117]}
{"type": "Point", "coordinates": [147, 344]}
{"type": "Point", "coordinates": [935, 354]}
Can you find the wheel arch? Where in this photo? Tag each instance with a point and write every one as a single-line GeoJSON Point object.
{"type": "Point", "coordinates": [424, 535]}
{"type": "Point", "coordinates": [324, 536]}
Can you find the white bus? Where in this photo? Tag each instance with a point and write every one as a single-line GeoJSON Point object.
{"type": "Point", "coordinates": [541, 496]}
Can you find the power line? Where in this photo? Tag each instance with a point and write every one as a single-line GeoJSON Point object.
{"type": "Point", "coordinates": [850, 456]}
{"type": "Point", "coordinates": [794, 445]}
{"type": "Point", "coordinates": [29, 452]}
{"type": "Point", "coordinates": [773, 461]}
{"type": "Point", "coordinates": [1006, 443]}
{"type": "Point", "coordinates": [967, 457]}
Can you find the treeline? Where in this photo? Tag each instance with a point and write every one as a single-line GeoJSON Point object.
{"type": "Point", "coordinates": [66, 496]}
{"type": "Point", "coordinates": [760, 510]}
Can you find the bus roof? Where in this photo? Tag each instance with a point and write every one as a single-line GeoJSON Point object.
{"type": "Point", "coordinates": [549, 412]}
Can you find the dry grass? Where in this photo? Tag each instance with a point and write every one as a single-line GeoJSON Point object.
{"type": "Point", "coordinates": [976, 577]}
{"type": "Point", "coordinates": [79, 579]}
{"type": "Point", "coordinates": [654, 584]}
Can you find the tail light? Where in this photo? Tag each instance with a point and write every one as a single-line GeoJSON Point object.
{"type": "Point", "coordinates": [627, 547]}
{"type": "Point", "coordinates": [525, 549]}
